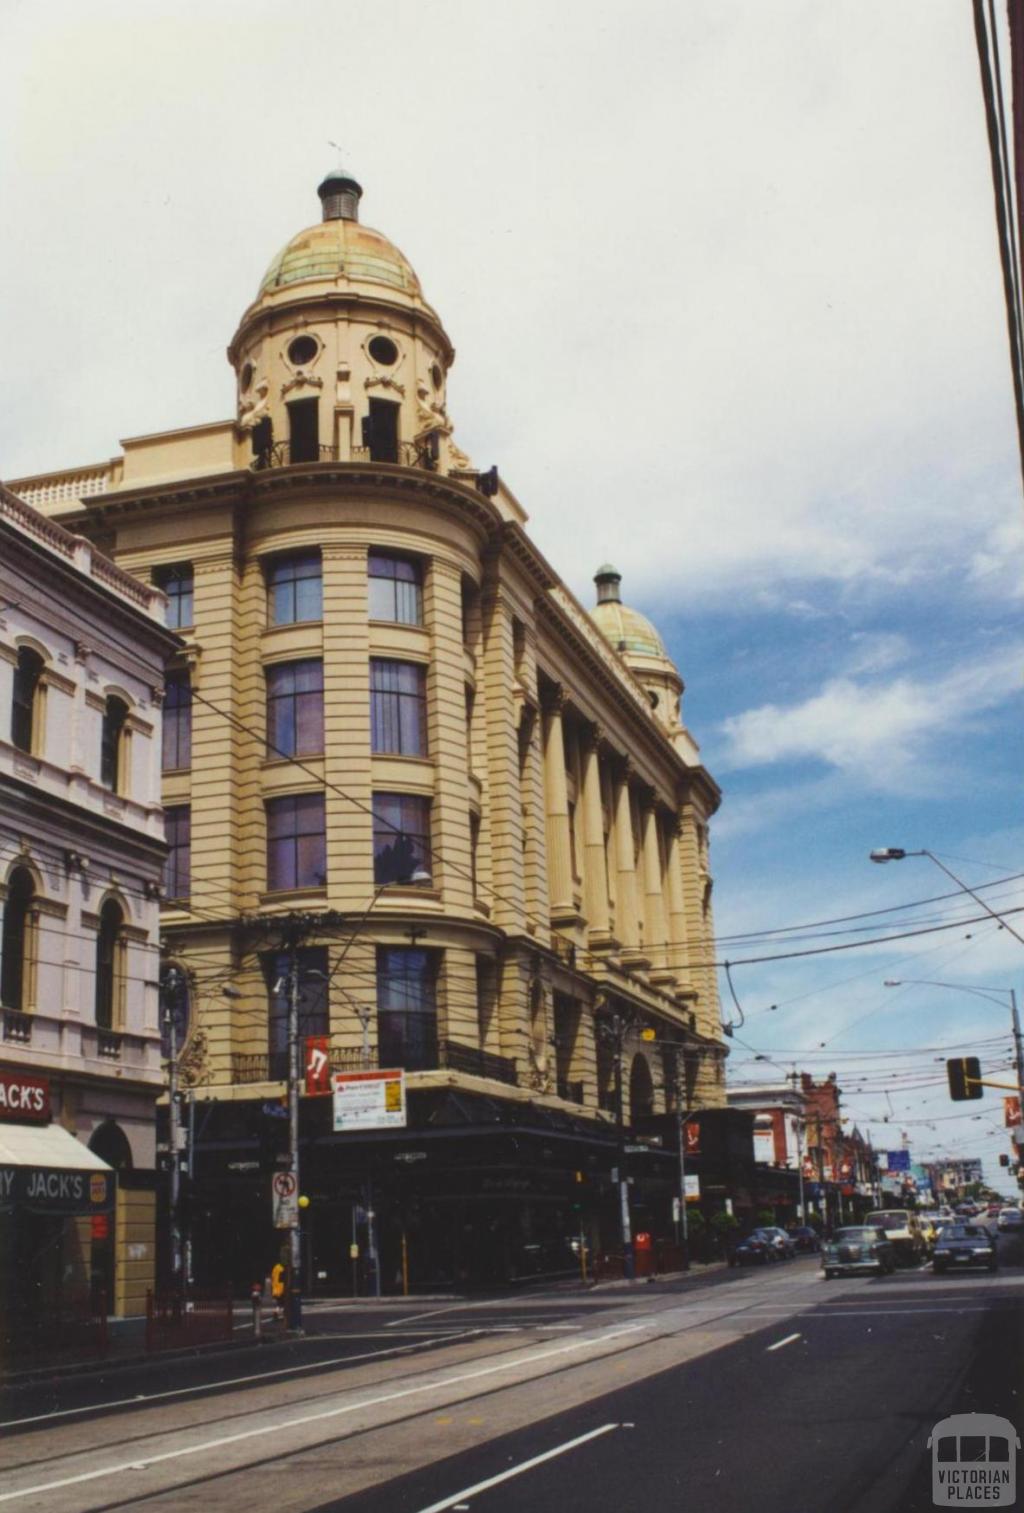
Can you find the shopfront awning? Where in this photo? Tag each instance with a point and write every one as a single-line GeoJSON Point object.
{"type": "Point", "coordinates": [44, 1168]}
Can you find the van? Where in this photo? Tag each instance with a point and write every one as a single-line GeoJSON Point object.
{"type": "Point", "coordinates": [903, 1228]}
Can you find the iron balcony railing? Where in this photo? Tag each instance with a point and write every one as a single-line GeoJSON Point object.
{"type": "Point", "coordinates": [286, 454]}
{"type": "Point", "coordinates": [262, 1066]}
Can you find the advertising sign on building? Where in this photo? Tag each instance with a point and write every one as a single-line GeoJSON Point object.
{"type": "Point", "coordinates": [24, 1097]}
{"type": "Point", "coordinates": [897, 1161]}
{"type": "Point", "coordinates": [692, 1188]}
{"type": "Point", "coordinates": [318, 1064]}
{"type": "Point", "coordinates": [1011, 1111]}
{"type": "Point", "coordinates": [369, 1100]}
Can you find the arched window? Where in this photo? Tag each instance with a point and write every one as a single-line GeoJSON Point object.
{"type": "Point", "coordinates": [112, 744]}
{"type": "Point", "coordinates": [109, 970]}
{"type": "Point", "coordinates": [641, 1089]}
{"type": "Point", "coordinates": [16, 947]}
{"type": "Point", "coordinates": [25, 733]}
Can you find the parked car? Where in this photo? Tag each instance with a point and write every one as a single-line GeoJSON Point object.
{"type": "Point", "coordinates": [757, 1249]}
{"type": "Point", "coordinates": [993, 1210]}
{"type": "Point", "coordinates": [784, 1244]}
{"type": "Point", "coordinates": [860, 1247]}
{"type": "Point", "coordinates": [963, 1245]}
{"type": "Point", "coordinates": [805, 1238]}
{"type": "Point", "coordinates": [1011, 1219]}
{"type": "Point", "coordinates": [903, 1228]}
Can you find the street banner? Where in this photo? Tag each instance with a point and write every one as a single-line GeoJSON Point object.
{"type": "Point", "coordinates": [318, 1064]}
{"type": "Point", "coordinates": [692, 1185]}
{"type": "Point", "coordinates": [691, 1137]}
{"type": "Point", "coordinates": [285, 1196]}
{"type": "Point", "coordinates": [1011, 1111]}
{"type": "Point", "coordinates": [369, 1100]}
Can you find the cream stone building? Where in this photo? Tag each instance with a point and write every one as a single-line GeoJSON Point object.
{"type": "Point", "coordinates": [394, 720]}
{"type": "Point", "coordinates": [82, 655]}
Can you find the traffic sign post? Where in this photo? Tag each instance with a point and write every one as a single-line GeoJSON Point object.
{"type": "Point", "coordinates": [285, 1191]}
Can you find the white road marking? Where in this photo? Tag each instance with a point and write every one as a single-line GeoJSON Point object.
{"type": "Point", "coordinates": [527, 1465]}
{"type": "Point", "coordinates": [282, 1425]}
{"type": "Point", "coordinates": [787, 1341]}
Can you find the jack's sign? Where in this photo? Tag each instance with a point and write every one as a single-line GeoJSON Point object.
{"type": "Point", "coordinates": [24, 1097]}
{"type": "Point", "coordinates": [49, 1190]}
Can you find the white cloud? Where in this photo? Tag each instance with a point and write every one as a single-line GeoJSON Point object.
{"type": "Point", "coordinates": [876, 730]}
{"type": "Point", "coordinates": [691, 258]}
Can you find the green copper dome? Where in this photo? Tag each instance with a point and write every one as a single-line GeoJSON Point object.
{"type": "Point", "coordinates": [341, 250]}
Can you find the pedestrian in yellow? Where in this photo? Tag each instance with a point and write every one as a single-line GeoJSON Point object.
{"type": "Point", "coordinates": [278, 1287]}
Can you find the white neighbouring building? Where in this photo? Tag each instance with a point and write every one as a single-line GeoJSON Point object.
{"type": "Point", "coordinates": [82, 855]}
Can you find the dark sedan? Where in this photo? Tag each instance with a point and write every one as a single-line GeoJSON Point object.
{"type": "Point", "coordinates": [962, 1245]}
{"type": "Point", "coordinates": [805, 1238]}
{"type": "Point", "coordinates": [757, 1249]}
{"type": "Point", "coordinates": [860, 1247]}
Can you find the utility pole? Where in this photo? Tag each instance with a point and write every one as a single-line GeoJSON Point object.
{"type": "Point", "coordinates": [612, 1030]}
{"type": "Point", "coordinates": [294, 1068]}
{"type": "Point", "coordinates": [169, 983]}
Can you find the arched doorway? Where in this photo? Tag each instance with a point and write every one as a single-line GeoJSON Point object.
{"type": "Point", "coordinates": [110, 1143]}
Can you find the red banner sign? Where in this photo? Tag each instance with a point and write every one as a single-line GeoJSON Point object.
{"type": "Point", "coordinates": [1011, 1111]}
{"type": "Point", "coordinates": [691, 1137]}
{"type": "Point", "coordinates": [24, 1097]}
{"type": "Point", "coordinates": [318, 1064]}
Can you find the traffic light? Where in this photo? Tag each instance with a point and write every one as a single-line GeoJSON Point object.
{"type": "Point", "coordinates": [964, 1073]}
{"type": "Point", "coordinates": [1004, 1159]}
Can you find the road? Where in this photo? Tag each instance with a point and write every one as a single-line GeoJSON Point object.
{"type": "Point", "coordinates": [769, 1389]}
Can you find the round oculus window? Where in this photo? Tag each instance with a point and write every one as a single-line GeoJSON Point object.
{"type": "Point", "coordinates": [302, 350]}
{"type": "Point", "coordinates": [246, 377]}
{"type": "Point", "coordinates": [436, 376]}
{"type": "Point", "coordinates": [383, 350]}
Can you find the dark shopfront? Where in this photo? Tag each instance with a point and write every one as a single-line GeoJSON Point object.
{"type": "Point", "coordinates": [56, 1240]}
{"type": "Point", "coordinates": [475, 1192]}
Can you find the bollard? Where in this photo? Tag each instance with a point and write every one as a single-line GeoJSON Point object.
{"type": "Point", "coordinates": [256, 1294]}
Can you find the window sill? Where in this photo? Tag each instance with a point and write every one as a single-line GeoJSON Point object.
{"type": "Point", "coordinates": [285, 895]}
{"type": "Point", "coordinates": [401, 892]}
{"type": "Point", "coordinates": [401, 624]}
{"type": "Point", "coordinates": [287, 761]}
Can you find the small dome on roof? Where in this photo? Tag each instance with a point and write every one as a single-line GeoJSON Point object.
{"type": "Point", "coordinates": [341, 249]}
{"type": "Point", "coordinates": [627, 630]}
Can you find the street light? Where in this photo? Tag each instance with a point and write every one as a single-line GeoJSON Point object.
{"type": "Point", "coordinates": [897, 854]}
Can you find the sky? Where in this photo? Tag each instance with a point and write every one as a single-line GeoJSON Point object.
{"type": "Point", "coordinates": [723, 281]}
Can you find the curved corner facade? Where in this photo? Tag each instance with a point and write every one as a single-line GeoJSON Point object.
{"type": "Point", "coordinates": [397, 746]}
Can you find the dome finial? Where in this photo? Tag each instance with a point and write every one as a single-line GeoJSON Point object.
{"type": "Point", "coordinates": [608, 579]}
{"type": "Point", "coordinates": [340, 193]}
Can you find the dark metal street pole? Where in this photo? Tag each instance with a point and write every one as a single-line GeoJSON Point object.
{"type": "Point", "coordinates": [168, 985]}
{"type": "Point", "coordinates": [294, 1232]}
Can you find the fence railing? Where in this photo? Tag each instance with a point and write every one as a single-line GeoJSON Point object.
{"type": "Point", "coordinates": [261, 1066]}
{"type": "Point", "coordinates": [176, 1321]}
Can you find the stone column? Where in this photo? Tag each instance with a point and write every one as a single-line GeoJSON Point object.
{"type": "Point", "coordinates": [628, 928]}
{"type": "Point", "coordinates": [499, 716]}
{"type": "Point", "coordinates": [678, 955]}
{"type": "Point", "coordinates": [654, 904]}
{"type": "Point", "coordinates": [556, 808]}
{"type": "Point", "coordinates": [595, 872]}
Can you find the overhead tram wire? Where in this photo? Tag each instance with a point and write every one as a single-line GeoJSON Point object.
{"type": "Point", "coordinates": [436, 854]}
